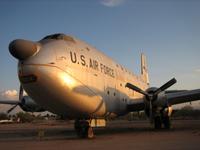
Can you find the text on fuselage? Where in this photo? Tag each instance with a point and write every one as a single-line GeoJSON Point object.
{"type": "Point", "coordinates": [92, 63]}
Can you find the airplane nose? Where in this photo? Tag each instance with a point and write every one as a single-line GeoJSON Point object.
{"type": "Point", "coordinates": [22, 49]}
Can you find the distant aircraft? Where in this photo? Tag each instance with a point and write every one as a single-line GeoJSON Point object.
{"type": "Point", "coordinates": [70, 78]}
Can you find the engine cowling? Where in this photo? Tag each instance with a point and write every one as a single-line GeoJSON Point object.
{"type": "Point", "coordinates": [160, 100]}
{"type": "Point", "coordinates": [158, 103]}
{"type": "Point", "coordinates": [29, 105]}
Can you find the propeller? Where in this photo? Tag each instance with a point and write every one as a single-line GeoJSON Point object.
{"type": "Point", "coordinates": [21, 91]}
{"type": "Point", "coordinates": [12, 108]}
{"type": "Point", "coordinates": [165, 86]}
{"type": "Point", "coordinates": [153, 95]}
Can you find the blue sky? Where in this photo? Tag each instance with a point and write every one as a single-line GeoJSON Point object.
{"type": "Point", "coordinates": [167, 31]}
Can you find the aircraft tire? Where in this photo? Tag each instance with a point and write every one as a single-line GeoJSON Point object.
{"type": "Point", "coordinates": [83, 129]}
{"type": "Point", "coordinates": [166, 122]}
{"type": "Point", "coordinates": [157, 122]}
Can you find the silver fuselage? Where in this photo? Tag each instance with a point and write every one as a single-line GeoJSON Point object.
{"type": "Point", "coordinates": [77, 81]}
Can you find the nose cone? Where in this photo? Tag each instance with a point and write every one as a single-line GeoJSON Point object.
{"type": "Point", "coordinates": [22, 49]}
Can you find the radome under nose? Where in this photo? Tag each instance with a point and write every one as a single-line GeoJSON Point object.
{"type": "Point", "coordinates": [22, 49]}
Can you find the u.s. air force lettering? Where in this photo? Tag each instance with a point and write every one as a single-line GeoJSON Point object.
{"type": "Point", "coordinates": [92, 63]}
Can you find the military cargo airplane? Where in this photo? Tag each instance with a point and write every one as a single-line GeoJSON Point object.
{"type": "Point", "coordinates": [68, 77]}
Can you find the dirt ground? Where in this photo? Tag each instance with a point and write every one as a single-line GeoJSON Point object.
{"type": "Point", "coordinates": [118, 135]}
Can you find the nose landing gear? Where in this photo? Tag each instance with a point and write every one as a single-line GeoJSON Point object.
{"type": "Point", "coordinates": [84, 129]}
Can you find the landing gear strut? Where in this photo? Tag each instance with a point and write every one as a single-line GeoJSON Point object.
{"type": "Point", "coordinates": [83, 129]}
{"type": "Point", "coordinates": [162, 120]}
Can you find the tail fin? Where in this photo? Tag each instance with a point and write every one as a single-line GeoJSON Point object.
{"type": "Point", "coordinates": [144, 71]}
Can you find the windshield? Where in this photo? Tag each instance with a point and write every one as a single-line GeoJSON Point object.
{"type": "Point", "coordinates": [59, 36]}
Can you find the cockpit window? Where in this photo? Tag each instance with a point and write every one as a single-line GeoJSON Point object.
{"type": "Point", "coordinates": [59, 37]}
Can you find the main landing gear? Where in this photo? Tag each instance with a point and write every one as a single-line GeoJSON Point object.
{"type": "Point", "coordinates": [84, 129]}
{"type": "Point", "coordinates": [163, 118]}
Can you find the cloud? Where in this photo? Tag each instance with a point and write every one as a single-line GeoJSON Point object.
{"type": "Point", "coordinates": [9, 95]}
{"type": "Point", "coordinates": [112, 3]}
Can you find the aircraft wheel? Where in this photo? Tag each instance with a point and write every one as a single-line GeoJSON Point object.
{"type": "Point", "coordinates": [166, 122]}
{"type": "Point", "coordinates": [83, 129]}
{"type": "Point", "coordinates": [157, 122]}
{"type": "Point", "coordinates": [77, 127]}
{"type": "Point", "coordinates": [83, 132]}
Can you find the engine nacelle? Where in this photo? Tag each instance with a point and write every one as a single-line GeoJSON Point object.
{"type": "Point", "coordinates": [158, 103]}
{"type": "Point", "coordinates": [160, 100]}
{"type": "Point", "coordinates": [29, 105]}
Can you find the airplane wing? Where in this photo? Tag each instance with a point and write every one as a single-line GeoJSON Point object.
{"type": "Point", "coordinates": [9, 102]}
{"type": "Point", "coordinates": [182, 97]}
{"type": "Point", "coordinates": [171, 98]}
{"type": "Point", "coordinates": [174, 91]}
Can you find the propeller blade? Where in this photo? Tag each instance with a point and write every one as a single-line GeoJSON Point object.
{"type": "Point", "coordinates": [21, 91]}
{"type": "Point", "coordinates": [12, 108]}
{"type": "Point", "coordinates": [165, 86]}
{"type": "Point", "coordinates": [137, 89]}
{"type": "Point", "coordinates": [150, 111]}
